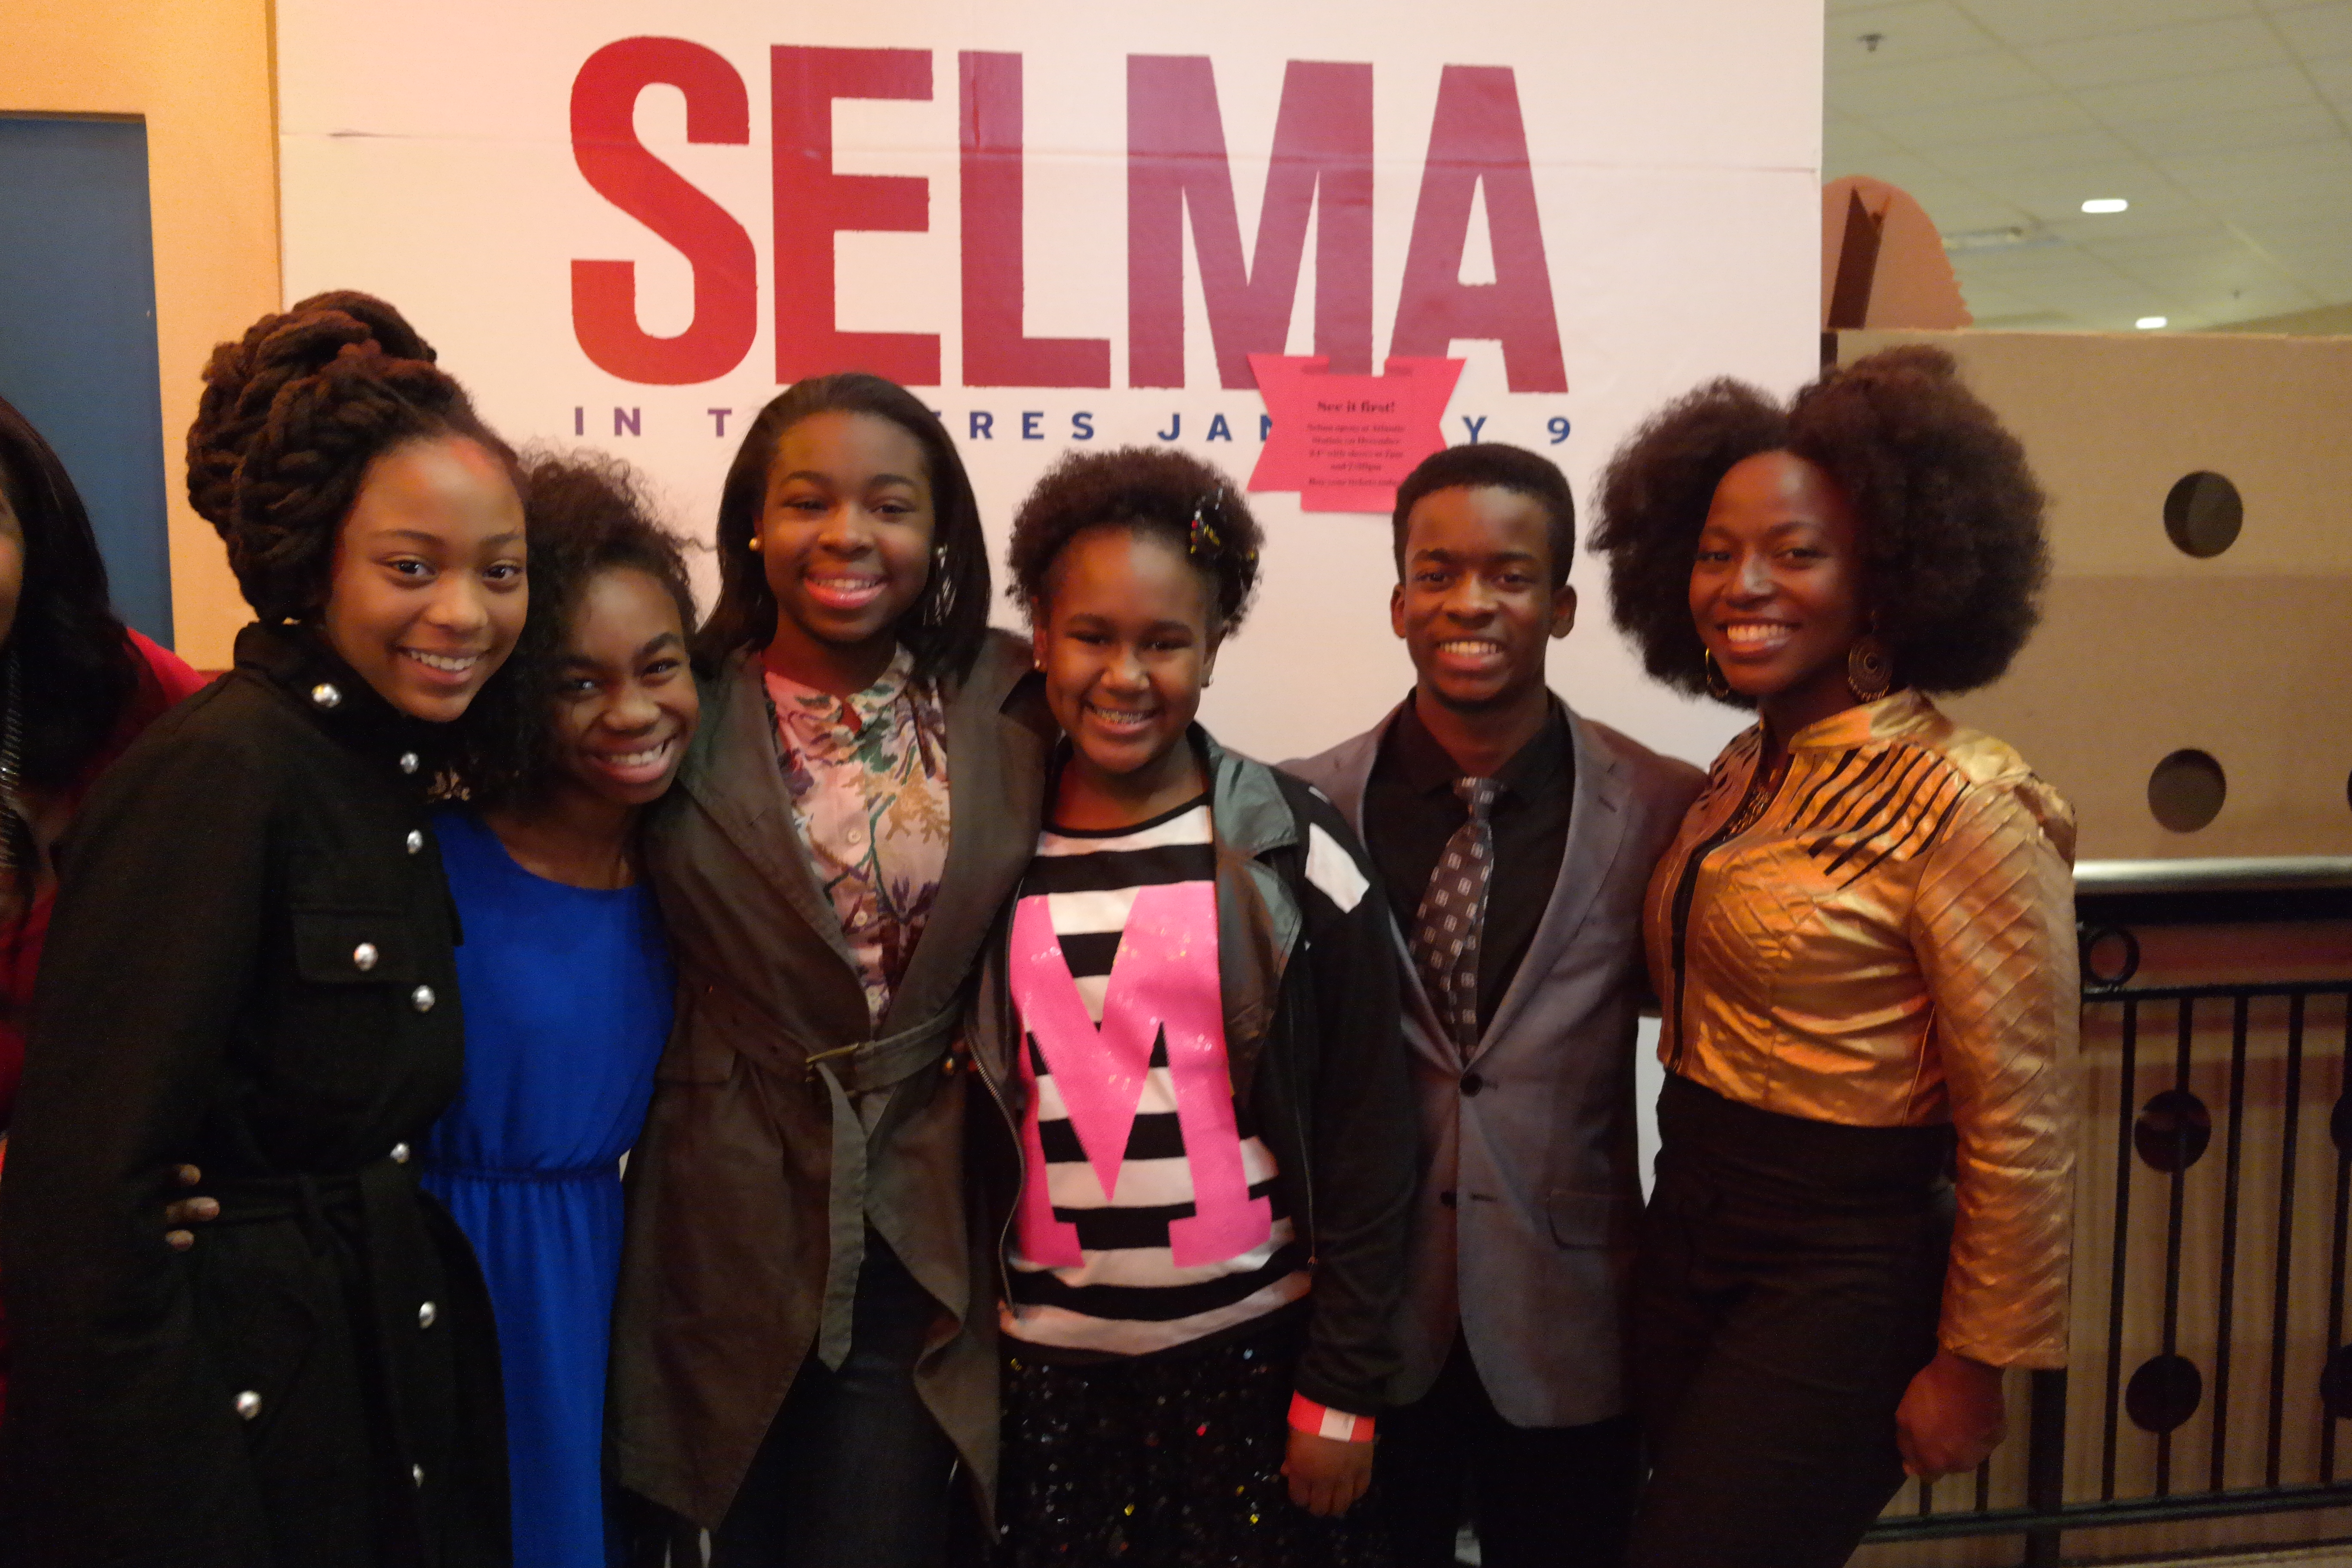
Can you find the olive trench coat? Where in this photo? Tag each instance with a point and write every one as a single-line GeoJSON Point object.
{"type": "Point", "coordinates": [249, 970]}
{"type": "Point", "coordinates": [746, 1212]}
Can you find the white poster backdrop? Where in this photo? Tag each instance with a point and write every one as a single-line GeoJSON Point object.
{"type": "Point", "coordinates": [1674, 149]}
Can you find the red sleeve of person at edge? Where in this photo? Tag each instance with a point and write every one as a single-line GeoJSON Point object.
{"type": "Point", "coordinates": [164, 679]}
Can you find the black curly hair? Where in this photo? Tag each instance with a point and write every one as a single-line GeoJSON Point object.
{"type": "Point", "coordinates": [584, 514]}
{"type": "Point", "coordinates": [292, 415]}
{"type": "Point", "coordinates": [1495, 464]}
{"type": "Point", "coordinates": [945, 629]}
{"type": "Point", "coordinates": [75, 667]}
{"type": "Point", "coordinates": [1155, 490]}
{"type": "Point", "coordinates": [1953, 553]}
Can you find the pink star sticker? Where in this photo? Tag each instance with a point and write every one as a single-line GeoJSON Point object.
{"type": "Point", "coordinates": [1346, 442]}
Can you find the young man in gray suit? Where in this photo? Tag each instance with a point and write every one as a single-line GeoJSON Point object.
{"type": "Point", "coordinates": [1515, 839]}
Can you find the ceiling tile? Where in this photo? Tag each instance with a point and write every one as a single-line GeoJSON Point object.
{"type": "Point", "coordinates": [1965, 125]}
{"type": "Point", "coordinates": [1869, 88]}
{"type": "Point", "coordinates": [2055, 192]}
{"type": "Point", "coordinates": [2267, 297]}
{"type": "Point", "coordinates": [1986, 299]}
{"type": "Point", "coordinates": [2208, 246]}
{"type": "Point", "coordinates": [1989, 161]}
{"type": "Point", "coordinates": [2029, 267]}
{"type": "Point", "coordinates": [2155, 53]}
{"type": "Point", "coordinates": [2234, 130]}
{"type": "Point", "coordinates": [1953, 205]}
{"type": "Point", "coordinates": [2333, 77]}
{"type": "Point", "coordinates": [1850, 147]}
{"type": "Point", "coordinates": [2247, 88]}
{"type": "Point", "coordinates": [2316, 32]}
{"type": "Point", "coordinates": [2258, 202]}
{"type": "Point", "coordinates": [2227, 123]}
{"type": "Point", "coordinates": [2030, 319]}
{"type": "Point", "coordinates": [2045, 21]}
{"type": "Point", "coordinates": [2204, 174]}
{"type": "Point", "coordinates": [1915, 30]}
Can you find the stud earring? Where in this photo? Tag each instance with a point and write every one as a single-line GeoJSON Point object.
{"type": "Point", "coordinates": [752, 543]}
{"type": "Point", "coordinates": [1717, 686]}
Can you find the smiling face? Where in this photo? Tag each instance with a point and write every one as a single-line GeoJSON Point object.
{"type": "Point", "coordinates": [1776, 587]}
{"type": "Point", "coordinates": [426, 592]}
{"type": "Point", "coordinates": [844, 538]}
{"type": "Point", "coordinates": [1476, 604]}
{"type": "Point", "coordinates": [1123, 636]}
{"type": "Point", "coordinates": [626, 705]}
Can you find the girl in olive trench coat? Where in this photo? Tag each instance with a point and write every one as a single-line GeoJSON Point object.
{"type": "Point", "coordinates": [250, 971]}
{"type": "Point", "coordinates": [799, 1270]}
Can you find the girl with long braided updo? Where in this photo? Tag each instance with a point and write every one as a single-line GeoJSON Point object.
{"type": "Point", "coordinates": [250, 971]}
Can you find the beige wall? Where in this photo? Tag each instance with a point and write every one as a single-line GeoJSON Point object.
{"type": "Point", "coordinates": [2143, 650]}
{"type": "Point", "coordinates": [198, 73]}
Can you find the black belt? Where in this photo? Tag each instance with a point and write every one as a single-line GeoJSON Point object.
{"type": "Point", "coordinates": [861, 1067]}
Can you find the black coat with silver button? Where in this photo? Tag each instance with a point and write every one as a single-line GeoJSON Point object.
{"type": "Point", "coordinates": [250, 969]}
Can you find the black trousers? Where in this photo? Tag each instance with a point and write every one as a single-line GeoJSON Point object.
{"type": "Point", "coordinates": [853, 1473]}
{"type": "Point", "coordinates": [1789, 1280]}
{"type": "Point", "coordinates": [1540, 1497]}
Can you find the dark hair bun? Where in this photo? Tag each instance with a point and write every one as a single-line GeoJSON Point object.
{"type": "Point", "coordinates": [292, 414]}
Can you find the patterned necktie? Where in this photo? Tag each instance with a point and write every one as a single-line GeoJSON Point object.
{"type": "Point", "coordinates": [1452, 908]}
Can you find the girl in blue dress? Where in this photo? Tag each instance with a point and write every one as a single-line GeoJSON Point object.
{"type": "Point", "coordinates": [565, 977]}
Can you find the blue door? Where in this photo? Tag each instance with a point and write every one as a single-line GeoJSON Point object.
{"type": "Point", "coordinates": [77, 333]}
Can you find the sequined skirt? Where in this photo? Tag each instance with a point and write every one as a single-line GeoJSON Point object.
{"type": "Point", "coordinates": [1171, 1461]}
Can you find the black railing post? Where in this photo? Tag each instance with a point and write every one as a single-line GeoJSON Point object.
{"type": "Point", "coordinates": [2045, 1466]}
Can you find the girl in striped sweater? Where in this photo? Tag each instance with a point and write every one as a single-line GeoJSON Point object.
{"type": "Point", "coordinates": [1191, 1028]}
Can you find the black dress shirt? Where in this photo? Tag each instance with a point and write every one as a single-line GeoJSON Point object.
{"type": "Point", "coordinates": [1411, 810]}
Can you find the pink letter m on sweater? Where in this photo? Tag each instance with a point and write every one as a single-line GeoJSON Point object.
{"type": "Point", "coordinates": [1164, 978]}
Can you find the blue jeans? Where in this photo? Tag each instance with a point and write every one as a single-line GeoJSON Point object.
{"type": "Point", "coordinates": [853, 1473]}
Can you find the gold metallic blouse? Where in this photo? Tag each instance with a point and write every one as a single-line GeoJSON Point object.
{"type": "Point", "coordinates": [1890, 942]}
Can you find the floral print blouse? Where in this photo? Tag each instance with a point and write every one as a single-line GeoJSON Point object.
{"type": "Point", "coordinates": [868, 778]}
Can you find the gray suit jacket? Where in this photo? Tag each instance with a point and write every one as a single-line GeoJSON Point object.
{"type": "Point", "coordinates": [1529, 1194]}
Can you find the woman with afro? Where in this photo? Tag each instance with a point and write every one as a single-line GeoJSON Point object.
{"type": "Point", "coordinates": [1863, 940]}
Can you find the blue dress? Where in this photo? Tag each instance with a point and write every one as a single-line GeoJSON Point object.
{"type": "Point", "coordinates": [566, 994]}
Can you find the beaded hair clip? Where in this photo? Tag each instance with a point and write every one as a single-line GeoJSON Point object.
{"type": "Point", "coordinates": [1202, 540]}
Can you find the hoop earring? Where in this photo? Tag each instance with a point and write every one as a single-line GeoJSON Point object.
{"type": "Point", "coordinates": [1869, 669]}
{"type": "Point", "coordinates": [1717, 686]}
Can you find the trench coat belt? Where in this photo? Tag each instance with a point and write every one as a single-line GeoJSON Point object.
{"type": "Point", "coordinates": [376, 1208]}
{"type": "Point", "coordinates": [861, 1068]}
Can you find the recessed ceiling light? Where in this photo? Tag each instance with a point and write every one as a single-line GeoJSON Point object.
{"type": "Point", "coordinates": [2107, 205]}
{"type": "Point", "coordinates": [2150, 323]}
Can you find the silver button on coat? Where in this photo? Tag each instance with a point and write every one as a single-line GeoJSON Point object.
{"type": "Point", "coordinates": [249, 1404]}
{"type": "Point", "coordinates": [400, 1153]}
{"type": "Point", "coordinates": [416, 1474]}
{"type": "Point", "coordinates": [416, 841]}
{"type": "Point", "coordinates": [408, 762]}
{"type": "Point", "coordinates": [327, 694]}
{"type": "Point", "coordinates": [422, 998]}
{"type": "Point", "coordinates": [363, 956]}
{"type": "Point", "coordinates": [425, 1312]}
